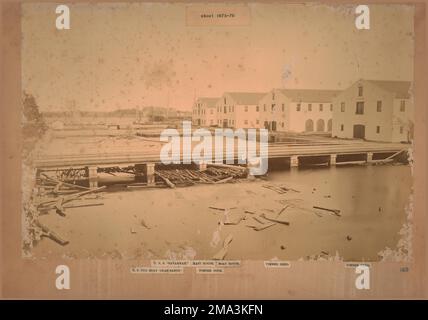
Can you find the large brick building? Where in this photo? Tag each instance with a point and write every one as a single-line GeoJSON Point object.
{"type": "Point", "coordinates": [297, 110]}
{"type": "Point", "coordinates": [239, 110]}
{"type": "Point", "coordinates": [204, 112]}
{"type": "Point", "coordinates": [374, 110]}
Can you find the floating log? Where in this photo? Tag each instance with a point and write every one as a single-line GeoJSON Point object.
{"type": "Point", "coordinates": [166, 180]}
{"type": "Point", "coordinates": [223, 251]}
{"type": "Point", "coordinates": [282, 210]}
{"type": "Point", "coordinates": [78, 194]}
{"type": "Point", "coordinates": [275, 220]}
{"type": "Point", "coordinates": [258, 220]}
{"type": "Point", "coordinates": [63, 183]}
{"type": "Point", "coordinates": [59, 209]}
{"type": "Point", "coordinates": [264, 226]}
{"type": "Point", "coordinates": [50, 234]}
{"type": "Point", "coordinates": [224, 180]}
{"type": "Point", "coordinates": [237, 220]}
{"type": "Point", "coordinates": [279, 189]}
{"type": "Point", "coordinates": [144, 185]}
{"type": "Point", "coordinates": [144, 224]}
{"type": "Point", "coordinates": [84, 205]}
{"type": "Point", "coordinates": [229, 166]}
{"type": "Point", "coordinates": [217, 208]}
{"type": "Point", "coordinates": [250, 212]}
{"type": "Point", "coordinates": [274, 188]}
{"type": "Point", "coordinates": [335, 211]}
{"type": "Point", "coordinates": [67, 198]}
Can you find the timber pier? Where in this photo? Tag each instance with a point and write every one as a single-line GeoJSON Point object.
{"type": "Point", "coordinates": [284, 155]}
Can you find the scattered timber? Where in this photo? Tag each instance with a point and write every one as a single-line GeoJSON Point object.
{"type": "Point", "coordinates": [224, 180]}
{"type": "Point", "coordinates": [258, 220]}
{"type": "Point", "coordinates": [263, 227]}
{"type": "Point", "coordinates": [212, 175]}
{"type": "Point", "coordinates": [58, 182]}
{"type": "Point", "coordinates": [217, 208]}
{"type": "Point", "coordinates": [250, 212]}
{"type": "Point", "coordinates": [223, 251]}
{"type": "Point", "coordinates": [166, 180]}
{"type": "Point", "coordinates": [279, 189]}
{"type": "Point", "coordinates": [275, 220]}
{"type": "Point", "coordinates": [283, 209]}
{"type": "Point", "coordinates": [50, 234]}
{"type": "Point", "coordinates": [83, 205]}
{"type": "Point", "coordinates": [58, 195]}
{"type": "Point", "coordinates": [234, 219]}
{"type": "Point", "coordinates": [335, 211]}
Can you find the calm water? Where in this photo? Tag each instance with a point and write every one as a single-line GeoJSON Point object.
{"type": "Point", "coordinates": [372, 201]}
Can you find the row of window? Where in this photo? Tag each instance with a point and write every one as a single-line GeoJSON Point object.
{"type": "Point", "coordinates": [272, 107]}
{"type": "Point", "coordinates": [199, 112]}
{"type": "Point", "coordinates": [231, 122]}
{"type": "Point", "coordinates": [360, 106]}
{"type": "Point", "coordinates": [320, 107]}
{"type": "Point", "coordinates": [225, 109]}
{"type": "Point", "coordinates": [231, 109]}
{"type": "Point", "coordinates": [342, 127]}
{"type": "Point", "coordinates": [203, 122]}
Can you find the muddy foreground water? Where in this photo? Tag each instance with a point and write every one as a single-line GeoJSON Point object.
{"type": "Point", "coordinates": [178, 223]}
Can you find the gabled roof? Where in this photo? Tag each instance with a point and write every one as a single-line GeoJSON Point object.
{"type": "Point", "coordinates": [250, 98]}
{"type": "Point", "coordinates": [401, 89]}
{"type": "Point", "coordinates": [209, 102]}
{"type": "Point", "coordinates": [309, 95]}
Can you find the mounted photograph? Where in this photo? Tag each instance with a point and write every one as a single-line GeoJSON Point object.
{"type": "Point", "coordinates": [217, 132]}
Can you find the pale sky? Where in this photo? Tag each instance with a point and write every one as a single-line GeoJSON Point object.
{"type": "Point", "coordinates": [128, 55]}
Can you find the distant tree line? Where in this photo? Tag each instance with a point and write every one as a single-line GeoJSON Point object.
{"type": "Point", "coordinates": [33, 125]}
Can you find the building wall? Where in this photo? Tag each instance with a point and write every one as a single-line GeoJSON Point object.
{"type": "Point", "coordinates": [210, 116]}
{"type": "Point", "coordinates": [246, 116]}
{"type": "Point", "coordinates": [196, 113]}
{"type": "Point", "coordinates": [233, 115]}
{"type": "Point", "coordinates": [278, 114]}
{"type": "Point", "coordinates": [402, 121]}
{"type": "Point", "coordinates": [371, 118]}
{"type": "Point", "coordinates": [225, 111]}
{"type": "Point", "coordinates": [287, 115]}
{"type": "Point", "coordinates": [310, 113]}
{"type": "Point", "coordinates": [203, 115]}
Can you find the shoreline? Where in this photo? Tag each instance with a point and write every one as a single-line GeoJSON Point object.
{"type": "Point", "coordinates": [185, 213]}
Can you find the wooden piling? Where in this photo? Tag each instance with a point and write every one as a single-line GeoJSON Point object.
{"type": "Point", "coordinates": [294, 161]}
{"type": "Point", "coordinates": [150, 173]}
{"type": "Point", "coordinates": [93, 177]}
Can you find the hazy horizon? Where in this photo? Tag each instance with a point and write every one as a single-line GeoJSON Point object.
{"type": "Point", "coordinates": [121, 56]}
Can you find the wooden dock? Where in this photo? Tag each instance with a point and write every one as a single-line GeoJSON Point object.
{"type": "Point", "coordinates": [331, 148]}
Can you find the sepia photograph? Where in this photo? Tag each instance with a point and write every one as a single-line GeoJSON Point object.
{"type": "Point", "coordinates": [274, 132]}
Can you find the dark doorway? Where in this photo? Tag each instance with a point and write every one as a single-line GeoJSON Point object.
{"type": "Point", "coordinates": [267, 127]}
{"type": "Point", "coordinates": [273, 125]}
{"type": "Point", "coordinates": [320, 125]}
{"type": "Point", "coordinates": [329, 125]}
{"type": "Point", "coordinates": [359, 131]}
{"type": "Point", "coordinates": [309, 125]}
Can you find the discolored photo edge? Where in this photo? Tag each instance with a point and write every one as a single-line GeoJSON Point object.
{"type": "Point", "coordinates": [22, 278]}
